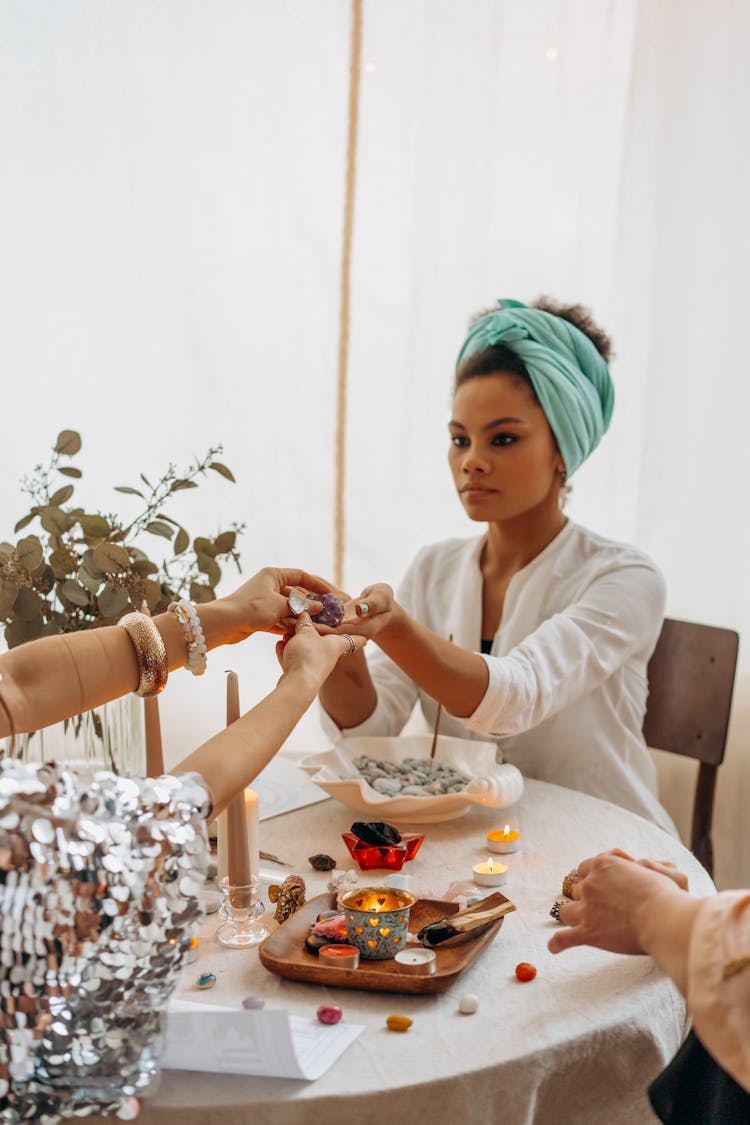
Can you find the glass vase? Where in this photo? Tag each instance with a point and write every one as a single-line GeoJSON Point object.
{"type": "Point", "coordinates": [109, 737]}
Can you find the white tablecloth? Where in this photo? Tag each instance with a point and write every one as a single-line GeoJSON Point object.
{"type": "Point", "coordinates": [577, 1045]}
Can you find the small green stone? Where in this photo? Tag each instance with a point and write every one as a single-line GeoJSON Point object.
{"type": "Point", "coordinates": [206, 980]}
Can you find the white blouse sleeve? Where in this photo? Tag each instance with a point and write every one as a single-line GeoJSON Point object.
{"type": "Point", "coordinates": [615, 620]}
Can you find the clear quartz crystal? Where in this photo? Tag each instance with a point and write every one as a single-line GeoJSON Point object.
{"type": "Point", "coordinates": [299, 602]}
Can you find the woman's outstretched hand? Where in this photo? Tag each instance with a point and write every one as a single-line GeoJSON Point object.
{"type": "Point", "coordinates": [260, 604]}
{"type": "Point", "coordinates": [614, 902]}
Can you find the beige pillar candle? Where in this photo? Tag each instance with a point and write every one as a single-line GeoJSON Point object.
{"type": "Point", "coordinates": [154, 752]}
{"type": "Point", "coordinates": [221, 845]}
{"type": "Point", "coordinates": [252, 818]}
{"type": "Point", "coordinates": [238, 854]}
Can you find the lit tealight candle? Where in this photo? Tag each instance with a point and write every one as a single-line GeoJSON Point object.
{"type": "Point", "coordinates": [504, 841]}
{"type": "Point", "coordinates": [490, 874]}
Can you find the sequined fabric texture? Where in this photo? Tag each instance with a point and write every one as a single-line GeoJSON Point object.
{"type": "Point", "coordinates": [99, 877]}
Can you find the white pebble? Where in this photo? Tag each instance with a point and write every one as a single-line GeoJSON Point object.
{"type": "Point", "coordinates": [468, 1004]}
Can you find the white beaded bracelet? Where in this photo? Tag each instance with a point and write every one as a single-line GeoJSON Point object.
{"type": "Point", "coordinates": [187, 615]}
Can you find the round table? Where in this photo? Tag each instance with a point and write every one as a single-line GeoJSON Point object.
{"type": "Point", "coordinates": [579, 1044]}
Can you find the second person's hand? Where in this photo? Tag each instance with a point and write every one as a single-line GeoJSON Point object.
{"type": "Point", "coordinates": [369, 614]}
{"type": "Point", "coordinates": [611, 904]}
{"type": "Point", "coordinates": [310, 655]}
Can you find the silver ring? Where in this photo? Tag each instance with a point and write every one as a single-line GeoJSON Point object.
{"type": "Point", "coordinates": [306, 625]}
{"type": "Point", "coordinates": [352, 647]}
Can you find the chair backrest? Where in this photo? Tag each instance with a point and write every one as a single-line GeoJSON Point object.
{"type": "Point", "coordinates": [690, 684]}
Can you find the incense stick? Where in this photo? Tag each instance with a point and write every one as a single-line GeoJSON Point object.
{"type": "Point", "coordinates": [437, 723]}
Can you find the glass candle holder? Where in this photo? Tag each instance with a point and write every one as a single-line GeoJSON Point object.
{"type": "Point", "coordinates": [241, 907]}
{"type": "Point", "coordinates": [377, 919]}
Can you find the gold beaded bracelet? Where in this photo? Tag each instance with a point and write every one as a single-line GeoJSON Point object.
{"type": "Point", "coordinates": [150, 650]}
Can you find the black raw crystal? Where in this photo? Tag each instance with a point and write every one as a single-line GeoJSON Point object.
{"type": "Point", "coordinates": [321, 862]}
{"type": "Point", "coordinates": [376, 832]}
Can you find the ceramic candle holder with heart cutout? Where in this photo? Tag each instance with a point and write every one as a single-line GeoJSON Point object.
{"type": "Point", "coordinates": [377, 919]}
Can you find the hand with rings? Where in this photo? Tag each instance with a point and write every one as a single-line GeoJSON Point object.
{"type": "Point", "coordinates": [300, 601]}
{"type": "Point", "coordinates": [317, 652]}
{"type": "Point", "coordinates": [371, 612]}
{"type": "Point", "coordinates": [609, 901]}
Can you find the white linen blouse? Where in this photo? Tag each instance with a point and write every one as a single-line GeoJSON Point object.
{"type": "Point", "coordinates": [567, 671]}
{"type": "Point", "coordinates": [718, 981]}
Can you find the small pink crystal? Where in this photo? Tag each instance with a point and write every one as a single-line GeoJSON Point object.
{"type": "Point", "coordinates": [329, 1013]}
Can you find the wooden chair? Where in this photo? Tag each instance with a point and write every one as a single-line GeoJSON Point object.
{"type": "Point", "coordinates": [690, 683]}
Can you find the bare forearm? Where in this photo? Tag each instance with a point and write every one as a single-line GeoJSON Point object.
{"type": "Point", "coordinates": [60, 676]}
{"type": "Point", "coordinates": [454, 677]}
{"type": "Point", "coordinates": [349, 695]}
{"type": "Point", "coordinates": [232, 758]}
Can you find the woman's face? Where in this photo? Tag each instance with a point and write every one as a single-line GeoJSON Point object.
{"type": "Point", "coordinates": [503, 457]}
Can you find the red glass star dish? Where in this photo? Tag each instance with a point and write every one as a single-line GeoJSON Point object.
{"type": "Point", "coordinates": [393, 857]}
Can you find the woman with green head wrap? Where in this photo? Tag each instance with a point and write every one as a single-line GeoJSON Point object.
{"type": "Point", "coordinates": [552, 625]}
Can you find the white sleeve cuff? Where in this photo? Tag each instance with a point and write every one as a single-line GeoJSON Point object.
{"type": "Point", "coordinates": [374, 724]}
{"type": "Point", "coordinates": [486, 717]}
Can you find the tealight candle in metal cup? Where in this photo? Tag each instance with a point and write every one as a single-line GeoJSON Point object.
{"type": "Point", "coordinates": [419, 961]}
{"type": "Point", "coordinates": [339, 956]}
{"type": "Point", "coordinates": [504, 841]}
{"type": "Point", "coordinates": [490, 874]}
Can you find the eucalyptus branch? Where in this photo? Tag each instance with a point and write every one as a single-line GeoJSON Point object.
{"type": "Point", "coordinates": [85, 569]}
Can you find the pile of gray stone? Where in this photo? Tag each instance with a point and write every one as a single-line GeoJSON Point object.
{"type": "Point", "coordinates": [414, 777]}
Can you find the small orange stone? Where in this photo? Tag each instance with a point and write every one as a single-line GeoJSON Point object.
{"type": "Point", "coordinates": [525, 971]}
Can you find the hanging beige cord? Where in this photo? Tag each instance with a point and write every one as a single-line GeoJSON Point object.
{"type": "Point", "coordinates": [355, 75]}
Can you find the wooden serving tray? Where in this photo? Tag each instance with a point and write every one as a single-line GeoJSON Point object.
{"type": "Point", "coordinates": [284, 953]}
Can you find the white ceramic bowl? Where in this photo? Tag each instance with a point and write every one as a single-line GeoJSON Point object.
{"type": "Point", "coordinates": [493, 785]}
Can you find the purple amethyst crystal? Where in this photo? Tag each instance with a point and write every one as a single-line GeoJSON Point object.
{"type": "Point", "coordinates": [332, 613]}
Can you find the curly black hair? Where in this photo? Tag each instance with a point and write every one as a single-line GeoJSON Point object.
{"type": "Point", "coordinates": [581, 317]}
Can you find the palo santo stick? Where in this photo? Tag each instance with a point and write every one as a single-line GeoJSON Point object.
{"type": "Point", "coordinates": [466, 922]}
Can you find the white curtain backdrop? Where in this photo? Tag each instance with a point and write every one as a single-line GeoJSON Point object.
{"type": "Point", "coordinates": [171, 209]}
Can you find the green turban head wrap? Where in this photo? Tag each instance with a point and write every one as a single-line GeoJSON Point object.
{"type": "Point", "coordinates": [568, 374]}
